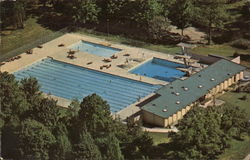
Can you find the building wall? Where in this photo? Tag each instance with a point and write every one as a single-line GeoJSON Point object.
{"type": "Point", "coordinates": [236, 60]}
{"type": "Point", "coordinates": [153, 119]}
{"type": "Point", "coordinates": [241, 75]}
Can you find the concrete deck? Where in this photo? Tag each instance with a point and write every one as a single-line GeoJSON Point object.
{"type": "Point", "coordinates": [51, 49]}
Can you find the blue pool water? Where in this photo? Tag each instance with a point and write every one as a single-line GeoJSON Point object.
{"type": "Point", "coordinates": [70, 81]}
{"type": "Point", "coordinates": [160, 69]}
{"type": "Point", "coordinates": [96, 49]}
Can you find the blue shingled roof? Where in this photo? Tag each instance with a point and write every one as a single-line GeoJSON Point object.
{"type": "Point", "coordinates": [176, 91]}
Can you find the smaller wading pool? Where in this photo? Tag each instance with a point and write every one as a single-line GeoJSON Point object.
{"type": "Point", "coordinates": [97, 49]}
{"type": "Point", "coordinates": [160, 69]}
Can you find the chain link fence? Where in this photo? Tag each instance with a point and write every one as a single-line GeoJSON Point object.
{"type": "Point", "coordinates": [33, 44]}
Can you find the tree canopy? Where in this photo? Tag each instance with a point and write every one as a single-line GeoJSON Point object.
{"type": "Point", "coordinates": [204, 133]}
{"type": "Point", "coordinates": [34, 127]}
{"type": "Point", "coordinates": [212, 14]}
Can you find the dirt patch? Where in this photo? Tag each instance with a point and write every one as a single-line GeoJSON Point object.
{"type": "Point", "coordinates": [194, 34]}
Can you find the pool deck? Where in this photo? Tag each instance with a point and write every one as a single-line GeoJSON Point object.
{"type": "Point", "coordinates": [51, 49]}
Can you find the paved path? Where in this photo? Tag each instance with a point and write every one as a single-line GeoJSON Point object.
{"type": "Point", "coordinates": [247, 157]}
{"type": "Point", "coordinates": [159, 130]}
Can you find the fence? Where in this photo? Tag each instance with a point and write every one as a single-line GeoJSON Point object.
{"type": "Point", "coordinates": [33, 44]}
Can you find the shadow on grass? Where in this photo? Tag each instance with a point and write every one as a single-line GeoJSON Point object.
{"type": "Point", "coordinates": [238, 28]}
{"type": "Point", "coordinates": [54, 21]}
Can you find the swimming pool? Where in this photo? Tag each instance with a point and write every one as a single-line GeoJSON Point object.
{"type": "Point", "coordinates": [160, 69]}
{"type": "Point", "coordinates": [70, 81]}
{"type": "Point", "coordinates": [96, 49]}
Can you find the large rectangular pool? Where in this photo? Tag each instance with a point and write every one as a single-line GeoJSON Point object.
{"type": "Point", "coordinates": [97, 49]}
{"type": "Point", "coordinates": [70, 81]}
{"type": "Point", "coordinates": [160, 69]}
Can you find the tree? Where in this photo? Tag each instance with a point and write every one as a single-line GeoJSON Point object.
{"type": "Point", "coordinates": [109, 146]}
{"type": "Point", "coordinates": [234, 121]}
{"type": "Point", "coordinates": [181, 14]}
{"type": "Point", "coordinates": [144, 144]}
{"type": "Point", "coordinates": [112, 9]}
{"type": "Point", "coordinates": [135, 144]}
{"type": "Point", "coordinates": [211, 13]}
{"type": "Point", "coordinates": [157, 27]}
{"type": "Point", "coordinates": [29, 3]}
{"type": "Point", "coordinates": [34, 140]}
{"type": "Point", "coordinates": [167, 5]}
{"type": "Point", "coordinates": [44, 2]}
{"type": "Point", "coordinates": [46, 112]}
{"type": "Point", "coordinates": [31, 88]}
{"type": "Point", "coordinates": [13, 13]}
{"type": "Point", "coordinates": [85, 11]}
{"type": "Point", "coordinates": [13, 102]}
{"type": "Point", "coordinates": [86, 148]}
{"type": "Point", "coordinates": [62, 148]}
{"type": "Point", "coordinates": [95, 115]}
{"type": "Point", "coordinates": [113, 148]}
{"type": "Point", "coordinates": [145, 11]}
{"type": "Point", "coordinates": [200, 136]}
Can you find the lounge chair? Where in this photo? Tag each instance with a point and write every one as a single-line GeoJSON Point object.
{"type": "Point", "coordinates": [29, 51]}
{"type": "Point", "coordinates": [71, 52]}
{"type": "Point", "coordinates": [108, 66]}
{"type": "Point", "coordinates": [114, 57]}
{"type": "Point", "coordinates": [107, 60]}
{"type": "Point", "coordinates": [39, 46]}
{"type": "Point", "coordinates": [61, 45]}
{"type": "Point", "coordinates": [71, 56]}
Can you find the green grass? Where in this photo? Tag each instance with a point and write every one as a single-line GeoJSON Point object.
{"type": "Point", "coordinates": [17, 38]}
{"type": "Point", "coordinates": [159, 138]}
{"type": "Point", "coordinates": [222, 50]}
{"type": "Point", "coordinates": [238, 149]}
{"type": "Point", "coordinates": [232, 98]}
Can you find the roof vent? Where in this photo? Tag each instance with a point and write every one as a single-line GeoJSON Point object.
{"type": "Point", "coordinates": [200, 86]}
{"type": "Point", "coordinates": [164, 110]}
{"type": "Point", "coordinates": [171, 87]}
{"type": "Point", "coordinates": [178, 102]}
{"type": "Point", "coordinates": [177, 93]}
{"type": "Point", "coordinates": [185, 89]}
{"type": "Point", "coordinates": [153, 104]}
{"type": "Point", "coordinates": [212, 79]}
{"type": "Point", "coordinates": [229, 74]}
{"type": "Point", "coordinates": [199, 75]}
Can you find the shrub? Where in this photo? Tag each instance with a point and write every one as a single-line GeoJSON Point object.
{"type": "Point", "coordinates": [241, 43]}
{"type": "Point", "coordinates": [243, 98]}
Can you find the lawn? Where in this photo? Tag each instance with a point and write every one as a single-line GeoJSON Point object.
{"type": "Point", "coordinates": [222, 50]}
{"type": "Point", "coordinates": [238, 149]}
{"type": "Point", "coordinates": [232, 98]}
{"type": "Point", "coordinates": [13, 39]}
{"type": "Point", "coordinates": [159, 138]}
